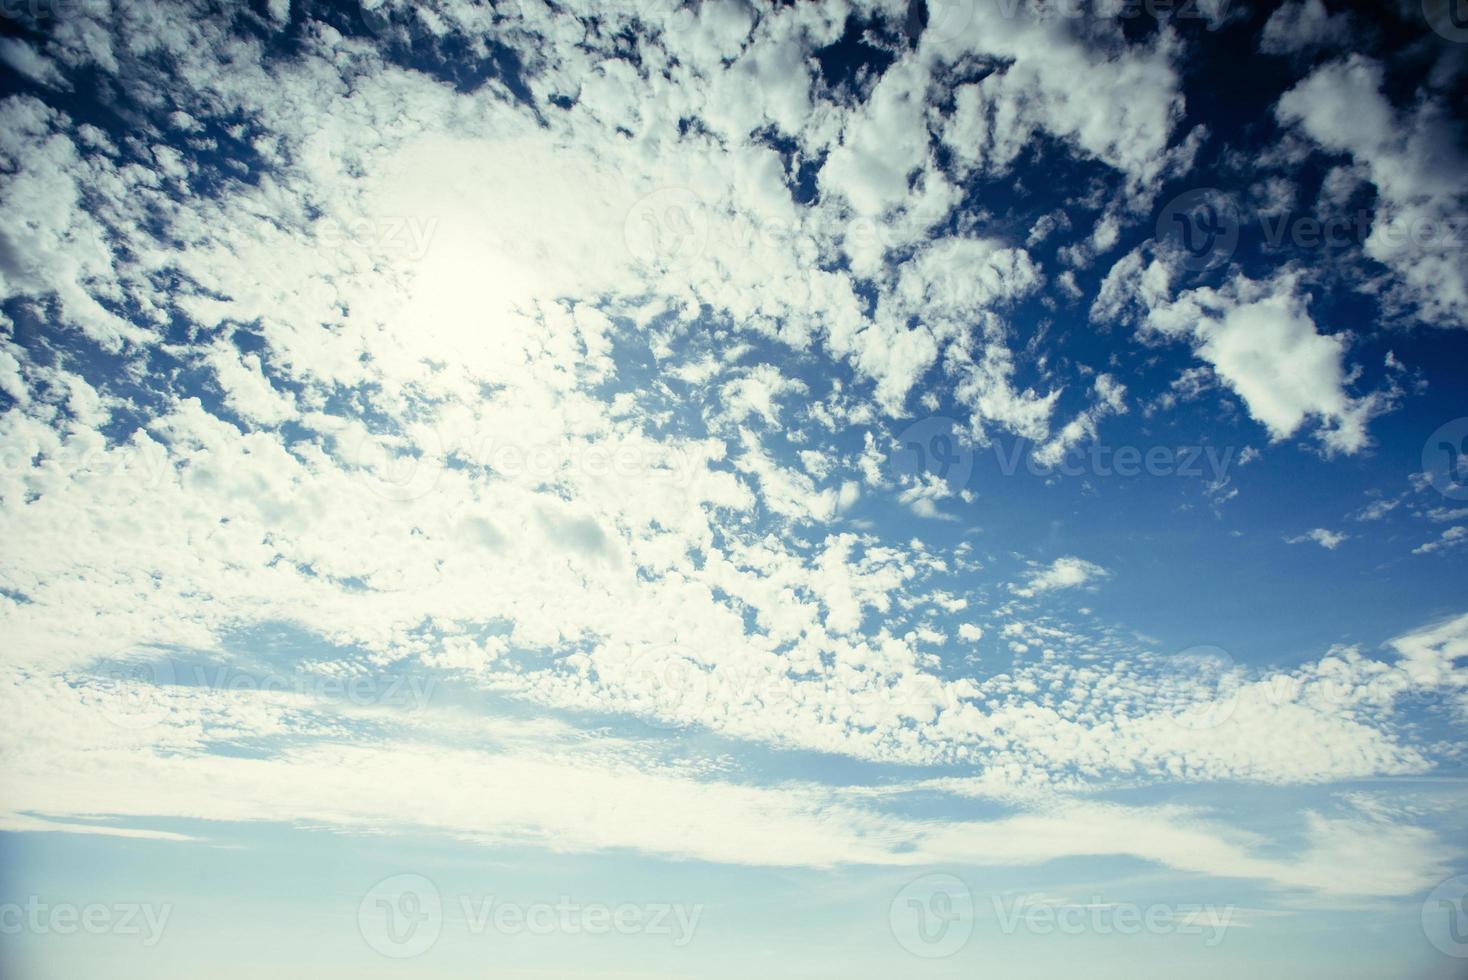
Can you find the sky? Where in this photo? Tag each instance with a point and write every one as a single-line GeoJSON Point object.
{"type": "Point", "coordinates": [651, 489]}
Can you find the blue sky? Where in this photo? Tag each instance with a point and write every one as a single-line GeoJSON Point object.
{"type": "Point", "coordinates": [648, 489]}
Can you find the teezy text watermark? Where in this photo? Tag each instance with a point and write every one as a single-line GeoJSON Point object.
{"type": "Point", "coordinates": [402, 916]}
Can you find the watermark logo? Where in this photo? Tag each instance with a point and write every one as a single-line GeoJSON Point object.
{"type": "Point", "coordinates": [661, 14]}
{"type": "Point", "coordinates": [1445, 917]}
{"type": "Point", "coordinates": [932, 917]}
{"type": "Point", "coordinates": [1308, 231]}
{"type": "Point", "coordinates": [1201, 687]}
{"type": "Point", "coordinates": [547, 462]}
{"type": "Point", "coordinates": [390, 236]}
{"type": "Point", "coordinates": [400, 468]}
{"type": "Point", "coordinates": [667, 229]}
{"type": "Point", "coordinates": [566, 917]}
{"type": "Point", "coordinates": [1321, 692]}
{"type": "Point", "coordinates": [861, 236]}
{"type": "Point", "coordinates": [1159, 10]}
{"type": "Point", "coordinates": [947, 19]}
{"type": "Point", "coordinates": [36, 10]}
{"type": "Point", "coordinates": [1101, 918]}
{"type": "Point", "coordinates": [671, 690]}
{"type": "Point", "coordinates": [140, 464]}
{"type": "Point", "coordinates": [1445, 459]}
{"type": "Point", "coordinates": [364, 690]}
{"type": "Point", "coordinates": [1203, 224]}
{"type": "Point", "coordinates": [1449, 18]}
{"type": "Point", "coordinates": [933, 450]}
{"type": "Point", "coordinates": [137, 692]}
{"type": "Point", "coordinates": [562, 25]}
{"type": "Point", "coordinates": [392, 20]}
{"type": "Point", "coordinates": [1103, 460]}
{"type": "Point", "coordinates": [401, 916]}
{"type": "Point", "coordinates": [95, 919]}
{"type": "Point", "coordinates": [137, 695]}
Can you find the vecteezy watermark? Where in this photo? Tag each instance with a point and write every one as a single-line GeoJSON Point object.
{"type": "Point", "coordinates": [409, 464]}
{"type": "Point", "coordinates": [946, 19]}
{"type": "Point", "coordinates": [675, 920]}
{"type": "Point", "coordinates": [643, 10]}
{"type": "Point", "coordinates": [673, 227]}
{"type": "Point", "coordinates": [1445, 459]}
{"type": "Point", "coordinates": [409, 691]}
{"type": "Point", "coordinates": [403, 237]}
{"type": "Point", "coordinates": [1102, 460]}
{"type": "Point", "coordinates": [1309, 231]}
{"type": "Point", "coordinates": [1325, 692]}
{"type": "Point", "coordinates": [668, 228]}
{"type": "Point", "coordinates": [664, 15]}
{"type": "Point", "coordinates": [1449, 18]}
{"type": "Point", "coordinates": [547, 461]}
{"type": "Point", "coordinates": [401, 467]}
{"type": "Point", "coordinates": [949, 19]}
{"type": "Point", "coordinates": [140, 464]}
{"type": "Point", "coordinates": [1203, 224]}
{"type": "Point", "coordinates": [35, 10]}
{"type": "Point", "coordinates": [393, 20]}
{"type": "Point", "coordinates": [37, 916]}
{"type": "Point", "coordinates": [668, 685]}
{"type": "Point", "coordinates": [1160, 10]}
{"type": "Point", "coordinates": [1445, 917]}
{"type": "Point", "coordinates": [933, 449]}
{"type": "Point", "coordinates": [669, 688]}
{"type": "Point", "coordinates": [932, 916]}
{"type": "Point", "coordinates": [135, 694]}
{"type": "Point", "coordinates": [1200, 687]}
{"type": "Point", "coordinates": [1101, 918]}
{"type": "Point", "coordinates": [403, 916]}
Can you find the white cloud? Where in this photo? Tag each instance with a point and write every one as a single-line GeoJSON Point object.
{"type": "Point", "coordinates": [27, 61]}
{"type": "Point", "coordinates": [1260, 339]}
{"type": "Point", "coordinates": [1304, 25]}
{"type": "Point", "coordinates": [1110, 400]}
{"type": "Point", "coordinates": [537, 783]}
{"type": "Point", "coordinates": [1327, 539]}
{"type": "Point", "coordinates": [1376, 510]}
{"type": "Point", "coordinates": [1117, 106]}
{"type": "Point", "coordinates": [1418, 170]}
{"type": "Point", "coordinates": [1063, 573]}
{"type": "Point", "coordinates": [474, 400]}
{"type": "Point", "coordinates": [757, 393]}
{"type": "Point", "coordinates": [1450, 538]}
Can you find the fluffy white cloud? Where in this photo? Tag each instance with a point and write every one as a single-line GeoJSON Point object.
{"type": "Point", "coordinates": [1116, 103]}
{"type": "Point", "coordinates": [24, 59]}
{"type": "Point", "coordinates": [1259, 338]}
{"type": "Point", "coordinates": [1063, 573]}
{"type": "Point", "coordinates": [526, 399]}
{"type": "Point", "coordinates": [1327, 539]}
{"type": "Point", "coordinates": [1450, 538]}
{"type": "Point", "coordinates": [1303, 25]}
{"type": "Point", "coordinates": [529, 783]}
{"type": "Point", "coordinates": [1414, 160]}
